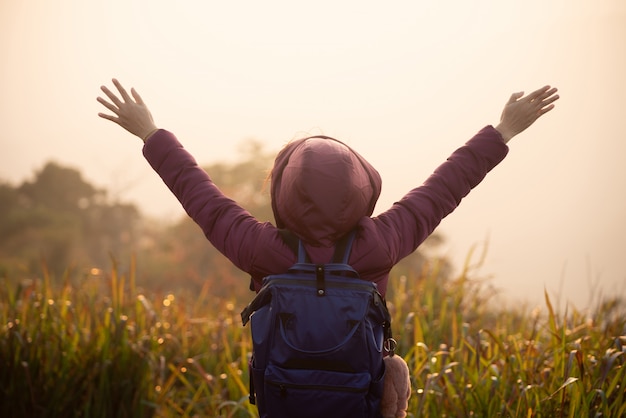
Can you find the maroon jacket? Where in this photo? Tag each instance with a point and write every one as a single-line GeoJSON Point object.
{"type": "Point", "coordinates": [322, 189]}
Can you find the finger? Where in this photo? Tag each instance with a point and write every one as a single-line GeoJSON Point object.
{"type": "Point", "coordinates": [551, 91]}
{"type": "Point", "coordinates": [547, 105]}
{"type": "Point", "coordinates": [122, 90]}
{"type": "Point", "coordinates": [537, 93]}
{"type": "Point", "coordinates": [136, 96]}
{"type": "Point", "coordinates": [109, 117]}
{"type": "Point", "coordinates": [548, 95]}
{"type": "Point", "coordinates": [108, 105]}
{"type": "Point", "coordinates": [545, 110]}
{"type": "Point", "coordinates": [550, 99]}
{"type": "Point", "coordinates": [515, 96]}
{"type": "Point", "coordinates": [111, 96]}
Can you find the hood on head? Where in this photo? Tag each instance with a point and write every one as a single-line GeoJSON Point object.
{"type": "Point", "coordinates": [321, 188]}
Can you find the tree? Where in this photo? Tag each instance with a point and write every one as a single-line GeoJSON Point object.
{"type": "Point", "coordinates": [59, 188]}
{"type": "Point", "coordinates": [182, 256]}
{"type": "Point", "coordinates": [63, 220]}
{"type": "Point", "coordinates": [60, 218]}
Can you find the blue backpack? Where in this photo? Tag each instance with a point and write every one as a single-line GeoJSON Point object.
{"type": "Point", "coordinates": [319, 333]}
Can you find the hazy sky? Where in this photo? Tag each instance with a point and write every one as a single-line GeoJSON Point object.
{"type": "Point", "coordinates": [403, 82]}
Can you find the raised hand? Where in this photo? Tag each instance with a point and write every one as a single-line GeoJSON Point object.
{"type": "Point", "coordinates": [521, 112]}
{"type": "Point", "coordinates": [132, 114]}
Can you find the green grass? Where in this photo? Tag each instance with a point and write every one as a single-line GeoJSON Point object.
{"type": "Point", "coordinates": [104, 348]}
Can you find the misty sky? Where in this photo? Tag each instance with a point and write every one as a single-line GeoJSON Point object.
{"type": "Point", "coordinates": [404, 83]}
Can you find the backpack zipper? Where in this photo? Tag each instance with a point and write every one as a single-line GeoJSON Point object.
{"type": "Point", "coordinates": [283, 387]}
{"type": "Point", "coordinates": [341, 285]}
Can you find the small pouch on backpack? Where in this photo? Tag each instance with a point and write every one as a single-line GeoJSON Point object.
{"type": "Point", "coordinates": [310, 393]}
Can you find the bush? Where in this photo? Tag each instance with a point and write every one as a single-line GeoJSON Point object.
{"type": "Point", "coordinates": [103, 348]}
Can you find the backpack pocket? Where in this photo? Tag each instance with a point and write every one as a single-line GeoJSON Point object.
{"type": "Point", "coordinates": [316, 393]}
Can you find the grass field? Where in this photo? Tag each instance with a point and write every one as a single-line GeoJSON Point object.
{"type": "Point", "coordinates": [104, 348]}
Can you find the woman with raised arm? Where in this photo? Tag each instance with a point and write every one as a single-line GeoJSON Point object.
{"type": "Point", "coordinates": [321, 205]}
{"type": "Point", "coordinates": [321, 190]}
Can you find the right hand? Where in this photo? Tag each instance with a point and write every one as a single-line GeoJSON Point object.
{"type": "Point", "coordinates": [521, 112]}
{"type": "Point", "coordinates": [132, 115]}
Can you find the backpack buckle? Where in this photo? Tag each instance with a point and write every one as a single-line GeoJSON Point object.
{"type": "Point", "coordinates": [319, 276]}
{"type": "Point", "coordinates": [390, 346]}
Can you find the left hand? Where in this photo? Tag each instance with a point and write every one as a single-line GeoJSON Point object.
{"type": "Point", "coordinates": [520, 112]}
{"type": "Point", "coordinates": [132, 115]}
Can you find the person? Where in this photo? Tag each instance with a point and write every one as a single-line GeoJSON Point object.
{"type": "Point", "coordinates": [321, 189]}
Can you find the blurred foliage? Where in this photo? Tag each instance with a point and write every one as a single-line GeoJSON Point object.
{"type": "Point", "coordinates": [161, 336]}
{"type": "Point", "coordinates": [63, 220]}
{"type": "Point", "coordinates": [179, 256]}
{"type": "Point", "coordinates": [60, 219]}
{"type": "Point", "coordinates": [105, 348]}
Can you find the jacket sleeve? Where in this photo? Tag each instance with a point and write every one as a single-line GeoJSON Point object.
{"type": "Point", "coordinates": [411, 220]}
{"type": "Point", "coordinates": [231, 229]}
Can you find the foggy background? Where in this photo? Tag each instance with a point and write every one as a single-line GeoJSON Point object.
{"type": "Point", "coordinates": [404, 83]}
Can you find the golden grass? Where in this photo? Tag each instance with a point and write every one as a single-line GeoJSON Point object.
{"type": "Point", "coordinates": [103, 348]}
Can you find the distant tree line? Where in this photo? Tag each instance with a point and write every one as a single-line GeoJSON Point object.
{"type": "Point", "coordinates": [61, 222]}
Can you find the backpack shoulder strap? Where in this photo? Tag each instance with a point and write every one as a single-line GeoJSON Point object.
{"type": "Point", "coordinates": [340, 255]}
{"type": "Point", "coordinates": [295, 244]}
{"type": "Point", "coordinates": [343, 247]}
{"type": "Point", "coordinates": [290, 239]}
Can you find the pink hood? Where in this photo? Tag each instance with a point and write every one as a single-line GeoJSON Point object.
{"type": "Point", "coordinates": [321, 188]}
